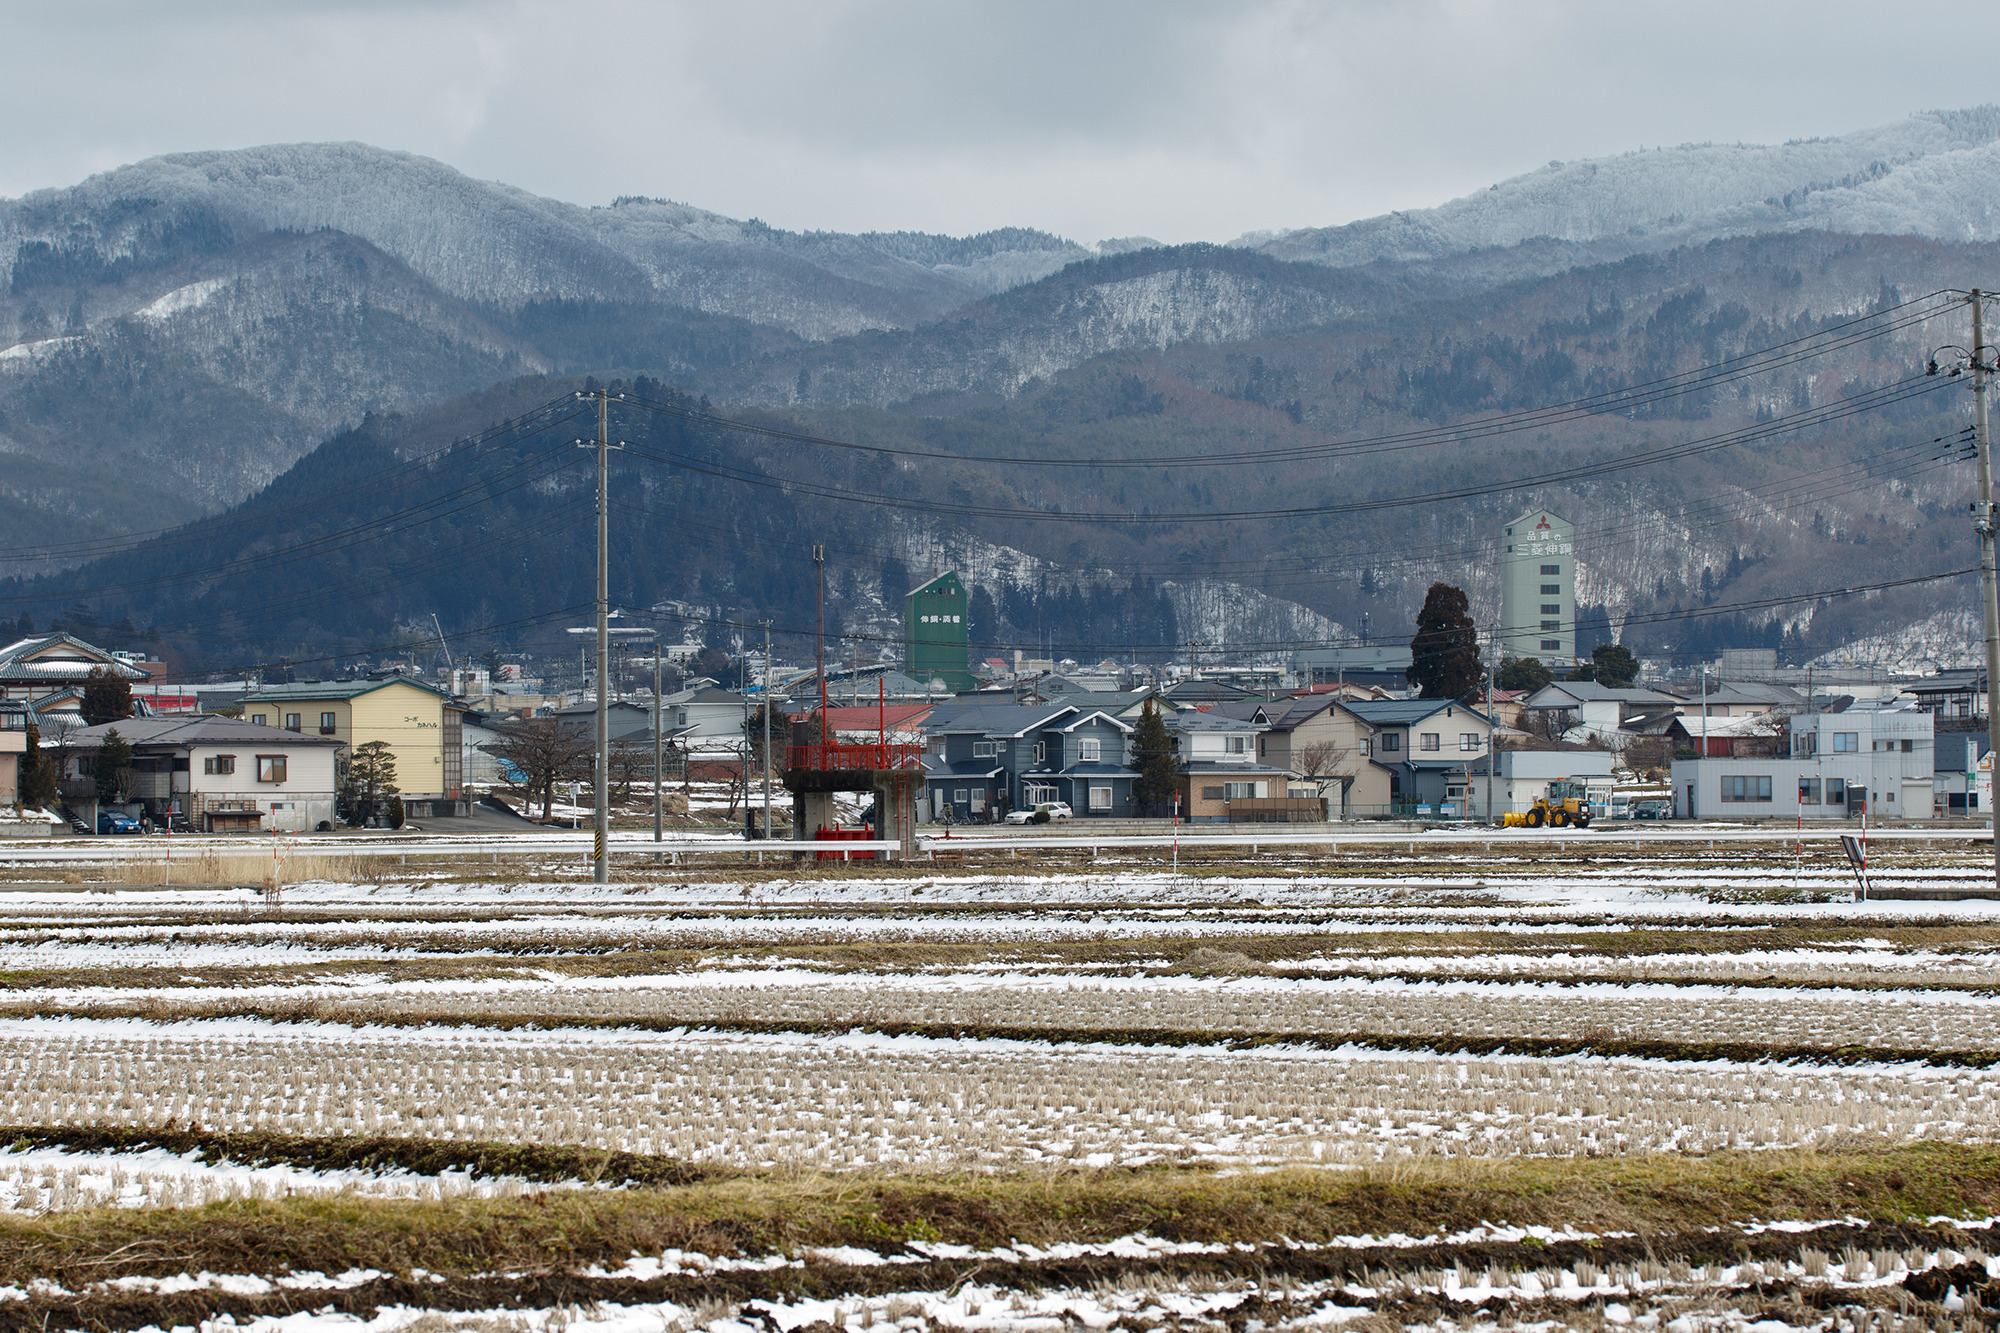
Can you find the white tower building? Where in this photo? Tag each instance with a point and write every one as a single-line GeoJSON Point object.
{"type": "Point", "coordinates": [1538, 588]}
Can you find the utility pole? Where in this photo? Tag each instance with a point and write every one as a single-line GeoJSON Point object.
{"type": "Point", "coordinates": [656, 741]}
{"type": "Point", "coordinates": [600, 864]}
{"type": "Point", "coordinates": [1492, 726]}
{"type": "Point", "coordinates": [819, 630]}
{"type": "Point", "coordinates": [1989, 580]}
{"type": "Point", "coordinates": [766, 692]}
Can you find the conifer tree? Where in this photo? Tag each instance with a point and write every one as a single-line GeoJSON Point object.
{"type": "Point", "coordinates": [113, 767]}
{"type": "Point", "coordinates": [1153, 757]}
{"type": "Point", "coordinates": [1444, 655]}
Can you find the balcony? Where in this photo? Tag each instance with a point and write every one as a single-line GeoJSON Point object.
{"type": "Point", "coordinates": [849, 758]}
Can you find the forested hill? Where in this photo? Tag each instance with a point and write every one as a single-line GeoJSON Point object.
{"type": "Point", "coordinates": [482, 510]}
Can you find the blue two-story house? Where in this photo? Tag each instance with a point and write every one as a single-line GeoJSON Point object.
{"type": "Point", "coordinates": [983, 760]}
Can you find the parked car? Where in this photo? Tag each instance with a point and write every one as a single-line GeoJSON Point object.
{"type": "Point", "coordinates": [1054, 810]}
{"type": "Point", "coordinates": [109, 821]}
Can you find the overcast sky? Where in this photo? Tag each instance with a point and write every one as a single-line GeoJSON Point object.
{"type": "Point", "coordinates": [1179, 121]}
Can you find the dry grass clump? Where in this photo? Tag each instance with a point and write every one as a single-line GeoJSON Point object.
{"type": "Point", "coordinates": [251, 864]}
{"type": "Point", "coordinates": [784, 1213]}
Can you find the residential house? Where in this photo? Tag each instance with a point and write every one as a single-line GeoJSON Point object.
{"type": "Point", "coordinates": [14, 723]}
{"type": "Point", "coordinates": [984, 760]}
{"type": "Point", "coordinates": [1740, 699]}
{"type": "Point", "coordinates": [708, 714]}
{"type": "Point", "coordinates": [1599, 711]}
{"type": "Point", "coordinates": [1878, 755]}
{"type": "Point", "coordinates": [624, 720]}
{"type": "Point", "coordinates": [223, 774]}
{"type": "Point", "coordinates": [1195, 693]}
{"type": "Point", "coordinates": [1221, 776]}
{"type": "Point", "coordinates": [47, 666]}
{"type": "Point", "coordinates": [1324, 747]}
{"type": "Point", "coordinates": [1750, 736]}
{"type": "Point", "coordinates": [421, 725]}
{"type": "Point", "coordinates": [893, 724]}
{"type": "Point", "coordinates": [1426, 745]}
{"type": "Point", "coordinates": [1957, 698]}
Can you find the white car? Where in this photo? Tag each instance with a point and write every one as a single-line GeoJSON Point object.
{"type": "Point", "coordinates": [1055, 810]}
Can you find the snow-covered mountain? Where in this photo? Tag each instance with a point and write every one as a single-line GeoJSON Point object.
{"type": "Point", "coordinates": [1935, 175]}
{"type": "Point", "coordinates": [176, 333]}
{"type": "Point", "coordinates": [490, 243]}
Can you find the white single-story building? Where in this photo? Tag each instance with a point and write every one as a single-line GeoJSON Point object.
{"type": "Point", "coordinates": [1522, 775]}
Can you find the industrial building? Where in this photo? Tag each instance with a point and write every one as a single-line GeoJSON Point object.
{"type": "Point", "coordinates": [1538, 588]}
{"type": "Point", "coordinates": [935, 635]}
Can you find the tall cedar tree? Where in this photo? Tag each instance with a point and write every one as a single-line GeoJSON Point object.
{"type": "Point", "coordinates": [1153, 757]}
{"type": "Point", "coordinates": [1444, 655]}
{"type": "Point", "coordinates": [113, 767]}
{"type": "Point", "coordinates": [107, 697]}
{"type": "Point", "coordinates": [38, 773]}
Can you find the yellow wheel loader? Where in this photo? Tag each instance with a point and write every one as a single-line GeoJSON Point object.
{"type": "Point", "coordinates": [1566, 805]}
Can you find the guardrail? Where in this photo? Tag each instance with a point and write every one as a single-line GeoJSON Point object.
{"type": "Point", "coordinates": [1483, 836]}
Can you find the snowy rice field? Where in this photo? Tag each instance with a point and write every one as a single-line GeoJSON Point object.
{"type": "Point", "coordinates": [1089, 1020]}
{"type": "Point", "coordinates": [853, 1101]}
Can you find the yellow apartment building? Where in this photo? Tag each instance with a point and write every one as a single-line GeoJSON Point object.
{"type": "Point", "coordinates": [422, 726]}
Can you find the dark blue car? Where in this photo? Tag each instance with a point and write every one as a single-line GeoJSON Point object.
{"type": "Point", "coordinates": [109, 821]}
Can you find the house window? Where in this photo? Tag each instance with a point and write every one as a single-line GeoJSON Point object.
{"type": "Point", "coordinates": [326, 724]}
{"type": "Point", "coordinates": [1746, 787]}
{"type": "Point", "coordinates": [1090, 749]}
{"type": "Point", "coordinates": [292, 722]}
{"type": "Point", "coordinates": [1836, 791]}
{"type": "Point", "coordinates": [1909, 747]}
{"type": "Point", "coordinates": [270, 768]}
{"type": "Point", "coordinates": [1847, 742]}
{"type": "Point", "coordinates": [985, 749]}
{"type": "Point", "coordinates": [958, 797]}
{"type": "Point", "coordinates": [1042, 757]}
{"type": "Point", "coordinates": [1100, 798]}
{"type": "Point", "coordinates": [1366, 747]}
{"type": "Point", "coordinates": [1552, 609]}
{"type": "Point", "coordinates": [1551, 571]}
{"type": "Point", "coordinates": [1392, 742]}
{"type": "Point", "coordinates": [217, 765]}
{"type": "Point", "coordinates": [1237, 744]}
{"type": "Point", "coordinates": [1553, 645]}
{"type": "Point", "coordinates": [1427, 740]}
{"type": "Point", "coordinates": [259, 719]}
{"type": "Point", "coordinates": [1260, 747]}
{"type": "Point", "coordinates": [1552, 624]}
{"type": "Point", "coordinates": [1242, 791]}
{"type": "Point", "coordinates": [1211, 793]}
{"type": "Point", "coordinates": [1552, 589]}
{"type": "Point", "coordinates": [1808, 791]}
{"type": "Point", "coordinates": [1468, 740]}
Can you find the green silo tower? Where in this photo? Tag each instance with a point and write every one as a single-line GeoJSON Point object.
{"type": "Point", "coordinates": [934, 633]}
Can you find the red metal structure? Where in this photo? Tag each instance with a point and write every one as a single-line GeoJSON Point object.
{"type": "Point", "coordinates": [876, 758]}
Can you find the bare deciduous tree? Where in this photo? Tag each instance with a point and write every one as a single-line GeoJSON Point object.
{"type": "Point", "coordinates": [540, 752]}
{"type": "Point", "coordinates": [1549, 724]}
